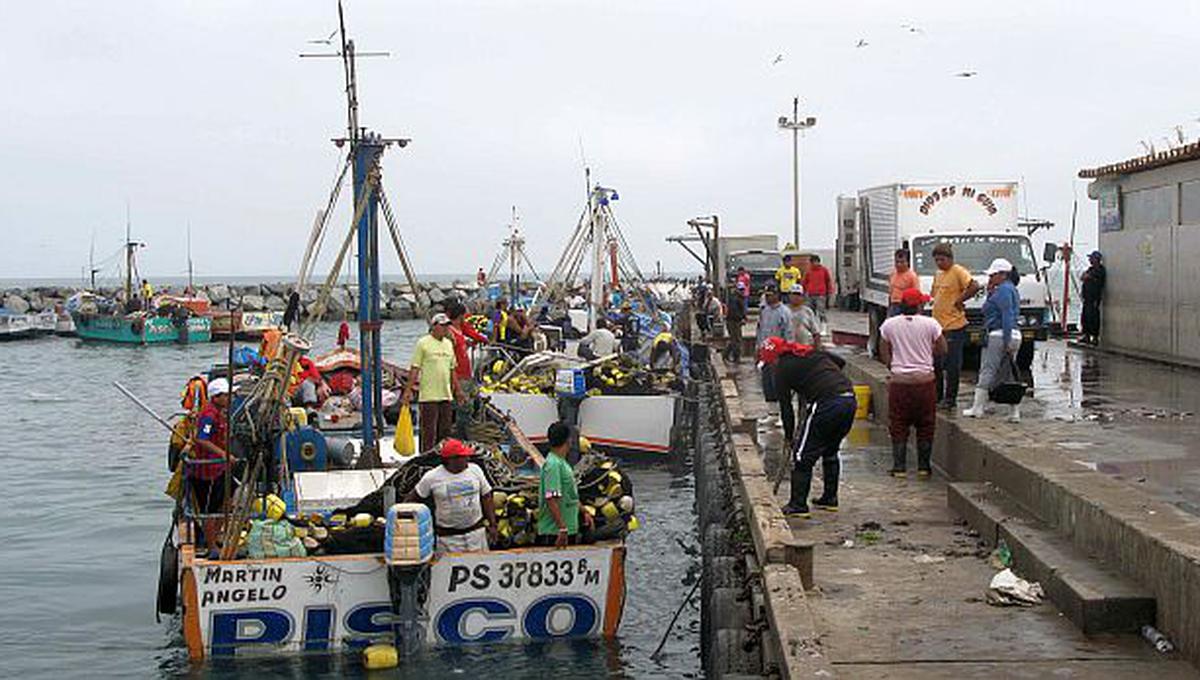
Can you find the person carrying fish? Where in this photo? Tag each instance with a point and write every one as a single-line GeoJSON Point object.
{"type": "Point", "coordinates": [817, 376]}
{"type": "Point", "coordinates": [204, 469]}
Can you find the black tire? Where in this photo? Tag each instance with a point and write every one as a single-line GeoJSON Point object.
{"type": "Point", "coordinates": [168, 578]}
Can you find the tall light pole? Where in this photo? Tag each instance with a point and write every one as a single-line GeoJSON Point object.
{"type": "Point", "coordinates": [796, 125]}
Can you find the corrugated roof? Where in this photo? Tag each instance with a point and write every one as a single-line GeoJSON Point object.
{"type": "Point", "coordinates": [1187, 152]}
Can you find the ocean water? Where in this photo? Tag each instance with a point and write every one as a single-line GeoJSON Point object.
{"type": "Point", "coordinates": [83, 516]}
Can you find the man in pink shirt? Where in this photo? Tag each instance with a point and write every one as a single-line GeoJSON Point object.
{"type": "Point", "coordinates": [909, 343]}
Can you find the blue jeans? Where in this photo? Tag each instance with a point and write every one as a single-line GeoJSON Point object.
{"type": "Point", "coordinates": [947, 368]}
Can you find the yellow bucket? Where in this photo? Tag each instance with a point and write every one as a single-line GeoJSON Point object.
{"type": "Point", "coordinates": [862, 395]}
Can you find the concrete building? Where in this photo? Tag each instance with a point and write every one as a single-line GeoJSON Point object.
{"type": "Point", "coordinates": [1149, 221]}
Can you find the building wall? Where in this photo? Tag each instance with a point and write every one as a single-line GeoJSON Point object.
{"type": "Point", "coordinates": [1152, 300]}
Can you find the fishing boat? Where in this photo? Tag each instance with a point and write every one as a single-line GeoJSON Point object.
{"type": "Point", "coordinates": [129, 320]}
{"type": "Point", "coordinates": [593, 395]}
{"type": "Point", "coordinates": [16, 326]}
{"type": "Point", "coordinates": [363, 572]}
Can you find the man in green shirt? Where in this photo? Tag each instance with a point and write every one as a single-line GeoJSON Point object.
{"type": "Point", "coordinates": [432, 367]}
{"type": "Point", "coordinates": [558, 517]}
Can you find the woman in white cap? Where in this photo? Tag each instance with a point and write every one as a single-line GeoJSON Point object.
{"type": "Point", "coordinates": [1000, 313]}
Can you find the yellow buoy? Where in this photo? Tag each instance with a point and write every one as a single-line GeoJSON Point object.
{"type": "Point", "coordinates": [275, 507]}
{"type": "Point", "coordinates": [380, 656]}
{"type": "Point", "coordinates": [633, 524]}
{"type": "Point", "coordinates": [362, 519]}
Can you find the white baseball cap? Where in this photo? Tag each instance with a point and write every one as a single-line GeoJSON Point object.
{"type": "Point", "coordinates": [999, 266]}
{"type": "Point", "coordinates": [439, 319]}
{"type": "Point", "coordinates": [218, 386]}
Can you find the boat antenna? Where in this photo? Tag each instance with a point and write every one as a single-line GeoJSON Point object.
{"type": "Point", "coordinates": [92, 261]}
{"type": "Point", "coordinates": [191, 283]}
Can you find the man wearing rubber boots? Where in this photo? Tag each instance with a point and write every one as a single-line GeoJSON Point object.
{"type": "Point", "coordinates": [817, 376]}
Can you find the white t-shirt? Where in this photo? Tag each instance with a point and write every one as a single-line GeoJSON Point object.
{"type": "Point", "coordinates": [602, 341]}
{"type": "Point", "coordinates": [911, 338]}
{"type": "Point", "coordinates": [455, 496]}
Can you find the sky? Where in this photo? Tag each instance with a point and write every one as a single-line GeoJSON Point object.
{"type": "Point", "coordinates": [201, 115]}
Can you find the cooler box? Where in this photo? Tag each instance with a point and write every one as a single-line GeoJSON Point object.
{"type": "Point", "coordinates": [408, 537]}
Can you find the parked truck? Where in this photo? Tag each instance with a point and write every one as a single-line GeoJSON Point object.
{"type": "Point", "coordinates": [980, 221]}
{"type": "Point", "coordinates": [758, 253]}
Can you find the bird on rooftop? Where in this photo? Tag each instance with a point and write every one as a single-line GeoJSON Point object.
{"type": "Point", "coordinates": [326, 41]}
{"type": "Point", "coordinates": [778, 58]}
{"type": "Point", "coordinates": [966, 74]}
{"type": "Point", "coordinates": [862, 43]}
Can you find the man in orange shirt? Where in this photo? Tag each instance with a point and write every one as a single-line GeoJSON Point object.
{"type": "Point", "coordinates": [902, 278]}
{"type": "Point", "coordinates": [953, 285]}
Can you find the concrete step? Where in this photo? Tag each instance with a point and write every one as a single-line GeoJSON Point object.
{"type": "Point", "coordinates": [1096, 597]}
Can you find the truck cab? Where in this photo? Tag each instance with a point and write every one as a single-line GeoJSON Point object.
{"type": "Point", "coordinates": [760, 264]}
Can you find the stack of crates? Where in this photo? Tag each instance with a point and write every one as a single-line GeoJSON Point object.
{"type": "Point", "coordinates": [408, 537]}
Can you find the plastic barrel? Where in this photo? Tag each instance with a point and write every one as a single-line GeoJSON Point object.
{"type": "Point", "coordinates": [862, 395]}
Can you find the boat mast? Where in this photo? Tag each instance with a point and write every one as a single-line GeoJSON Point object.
{"type": "Point", "coordinates": [191, 286]}
{"type": "Point", "coordinates": [129, 246]}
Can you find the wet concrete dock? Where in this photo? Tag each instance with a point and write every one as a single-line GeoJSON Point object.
{"type": "Point", "coordinates": [1101, 467]}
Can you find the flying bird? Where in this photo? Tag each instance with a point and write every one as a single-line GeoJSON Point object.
{"type": "Point", "coordinates": [326, 41]}
{"type": "Point", "coordinates": [912, 29]}
{"type": "Point", "coordinates": [966, 74]}
{"type": "Point", "coordinates": [778, 58]}
{"type": "Point", "coordinates": [862, 43]}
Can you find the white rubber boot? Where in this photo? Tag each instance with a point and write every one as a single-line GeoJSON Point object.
{"type": "Point", "coordinates": [1014, 415]}
{"type": "Point", "coordinates": [981, 400]}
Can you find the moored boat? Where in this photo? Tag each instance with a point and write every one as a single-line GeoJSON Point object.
{"type": "Point", "coordinates": [16, 326]}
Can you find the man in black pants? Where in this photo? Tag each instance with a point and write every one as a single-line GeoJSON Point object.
{"type": "Point", "coordinates": [817, 377]}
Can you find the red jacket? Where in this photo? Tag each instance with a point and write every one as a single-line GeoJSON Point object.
{"type": "Point", "coordinates": [818, 282]}
{"type": "Point", "coordinates": [210, 426]}
{"type": "Point", "coordinates": [462, 360]}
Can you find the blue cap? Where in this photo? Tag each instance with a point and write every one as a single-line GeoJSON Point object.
{"type": "Point", "coordinates": [1096, 254]}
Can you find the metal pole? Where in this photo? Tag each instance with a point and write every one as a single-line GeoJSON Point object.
{"type": "Point", "coordinates": [796, 171]}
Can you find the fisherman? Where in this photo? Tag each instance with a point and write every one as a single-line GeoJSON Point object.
{"type": "Point", "coordinates": [735, 316]}
{"type": "Point", "coordinates": [1000, 313]}
{"type": "Point", "coordinates": [599, 343]}
{"type": "Point", "coordinates": [308, 386]}
{"type": "Point", "coordinates": [818, 283]}
{"type": "Point", "coordinates": [500, 321]}
{"type": "Point", "coordinates": [268, 347]}
{"type": "Point", "coordinates": [464, 335]}
{"type": "Point", "coordinates": [207, 479]}
{"type": "Point", "coordinates": [558, 496]}
{"type": "Point", "coordinates": [630, 328]}
{"type": "Point", "coordinates": [806, 330]}
{"type": "Point", "coordinates": [664, 353]}
{"type": "Point", "coordinates": [774, 320]}
{"type": "Point", "coordinates": [817, 376]}
{"type": "Point", "coordinates": [743, 283]}
{"type": "Point", "coordinates": [1094, 279]}
{"type": "Point", "coordinates": [788, 274]}
{"type": "Point", "coordinates": [902, 278]}
{"type": "Point", "coordinates": [432, 367]}
{"type": "Point", "coordinates": [481, 278]}
{"type": "Point", "coordinates": [953, 285]}
{"type": "Point", "coordinates": [709, 316]}
{"type": "Point", "coordinates": [464, 514]}
{"type": "Point", "coordinates": [343, 335]}
{"type": "Point", "coordinates": [909, 344]}
{"type": "Point", "coordinates": [147, 292]}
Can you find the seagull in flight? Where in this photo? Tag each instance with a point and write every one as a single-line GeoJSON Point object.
{"type": "Point", "coordinates": [862, 42]}
{"type": "Point", "coordinates": [778, 58]}
{"type": "Point", "coordinates": [326, 41]}
{"type": "Point", "coordinates": [966, 74]}
{"type": "Point", "coordinates": [912, 29]}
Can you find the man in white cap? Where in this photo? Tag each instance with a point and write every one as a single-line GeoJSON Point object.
{"type": "Point", "coordinates": [205, 467]}
{"type": "Point", "coordinates": [432, 368]}
{"type": "Point", "coordinates": [1000, 314]}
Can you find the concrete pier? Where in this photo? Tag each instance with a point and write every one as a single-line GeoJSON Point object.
{"type": "Point", "coordinates": [894, 584]}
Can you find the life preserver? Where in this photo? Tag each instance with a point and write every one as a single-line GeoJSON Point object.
{"type": "Point", "coordinates": [168, 578]}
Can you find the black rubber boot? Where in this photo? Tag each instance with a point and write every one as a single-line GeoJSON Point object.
{"type": "Point", "coordinates": [801, 483]}
{"type": "Point", "coordinates": [924, 459]}
{"type": "Point", "coordinates": [830, 469]}
{"type": "Point", "coordinates": [899, 459]}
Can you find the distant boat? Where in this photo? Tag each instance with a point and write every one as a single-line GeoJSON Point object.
{"type": "Point", "coordinates": [244, 325]}
{"type": "Point", "coordinates": [16, 326]}
{"type": "Point", "coordinates": [98, 319]}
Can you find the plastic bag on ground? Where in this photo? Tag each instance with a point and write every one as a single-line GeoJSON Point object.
{"type": "Point", "coordinates": [1007, 589]}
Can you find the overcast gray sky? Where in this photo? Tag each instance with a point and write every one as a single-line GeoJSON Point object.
{"type": "Point", "coordinates": [201, 113]}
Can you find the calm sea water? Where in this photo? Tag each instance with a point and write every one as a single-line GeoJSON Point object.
{"type": "Point", "coordinates": [83, 515]}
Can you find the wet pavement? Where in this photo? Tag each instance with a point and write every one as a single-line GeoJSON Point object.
{"type": "Point", "coordinates": [900, 581]}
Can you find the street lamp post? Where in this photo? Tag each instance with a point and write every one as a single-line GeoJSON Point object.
{"type": "Point", "coordinates": [796, 126]}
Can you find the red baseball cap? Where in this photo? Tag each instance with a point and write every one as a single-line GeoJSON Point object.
{"type": "Point", "coordinates": [913, 297]}
{"type": "Point", "coordinates": [774, 347]}
{"type": "Point", "coordinates": [454, 447]}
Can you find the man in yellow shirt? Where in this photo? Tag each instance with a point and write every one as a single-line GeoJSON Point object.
{"type": "Point", "coordinates": [953, 285]}
{"type": "Point", "coordinates": [432, 367]}
{"type": "Point", "coordinates": [788, 274]}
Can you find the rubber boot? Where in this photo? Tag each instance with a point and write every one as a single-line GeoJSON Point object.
{"type": "Point", "coordinates": [1014, 415]}
{"type": "Point", "coordinates": [801, 483]}
{"type": "Point", "coordinates": [899, 459]}
{"type": "Point", "coordinates": [831, 469]}
{"type": "Point", "coordinates": [924, 459]}
{"type": "Point", "coordinates": [981, 400]}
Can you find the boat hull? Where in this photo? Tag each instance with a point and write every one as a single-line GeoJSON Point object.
{"type": "Point", "coordinates": [140, 331]}
{"type": "Point", "coordinates": [314, 604]}
{"type": "Point", "coordinates": [623, 424]}
{"type": "Point", "coordinates": [244, 325]}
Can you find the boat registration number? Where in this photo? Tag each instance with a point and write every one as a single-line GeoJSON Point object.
{"type": "Point", "coordinates": [549, 572]}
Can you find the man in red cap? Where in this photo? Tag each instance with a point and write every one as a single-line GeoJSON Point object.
{"type": "Point", "coordinates": [463, 513]}
{"type": "Point", "coordinates": [908, 346]}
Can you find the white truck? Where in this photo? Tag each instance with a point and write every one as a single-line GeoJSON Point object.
{"type": "Point", "coordinates": [758, 253]}
{"type": "Point", "coordinates": [980, 221]}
